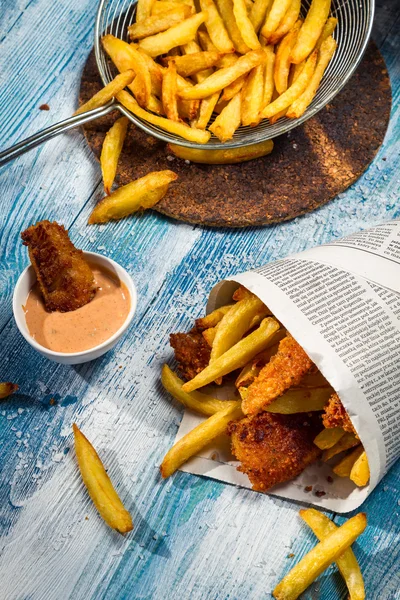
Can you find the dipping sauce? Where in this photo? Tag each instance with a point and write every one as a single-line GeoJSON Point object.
{"type": "Point", "coordinates": [84, 328]}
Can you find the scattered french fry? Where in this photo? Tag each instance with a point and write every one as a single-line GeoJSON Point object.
{"type": "Point", "coordinates": [225, 8]}
{"type": "Point", "coordinates": [169, 93]}
{"type": "Point", "coordinates": [228, 120]}
{"type": "Point", "coordinates": [274, 17]}
{"type": "Point", "coordinates": [7, 388]}
{"type": "Point", "coordinates": [99, 486]}
{"type": "Point", "coordinates": [128, 199]}
{"type": "Point", "coordinates": [329, 437]}
{"type": "Point", "coordinates": [347, 562]}
{"type": "Point", "coordinates": [319, 558]}
{"type": "Point", "coordinates": [178, 35]}
{"type": "Point", "coordinates": [111, 151]}
{"type": "Point", "coordinates": [347, 441]}
{"type": "Point", "coordinates": [158, 23]}
{"type": "Point", "coordinates": [360, 471]}
{"type": "Point", "coordinates": [224, 157]}
{"type": "Point", "coordinates": [215, 27]}
{"type": "Point", "coordinates": [245, 25]}
{"type": "Point", "coordinates": [345, 465]}
{"type": "Point", "coordinates": [290, 18]}
{"type": "Point", "coordinates": [311, 30]}
{"type": "Point", "coordinates": [108, 92]}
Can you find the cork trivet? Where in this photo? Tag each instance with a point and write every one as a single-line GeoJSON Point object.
{"type": "Point", "coordinates": [309, 165]}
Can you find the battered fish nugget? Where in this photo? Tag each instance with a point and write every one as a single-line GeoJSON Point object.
{"type": "Point", "coordinates": [274, 448]}
{"type": "Point", "coordinates": [284, 370]}
{"type": "Point", "coordinates": [335, 415]}
{"type": "Point", "coordinates": [191, 352]}
{"type": "Point", "coordinates": [65, 279]}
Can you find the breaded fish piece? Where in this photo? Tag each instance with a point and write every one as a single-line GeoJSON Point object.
{"type": "Point", "coordinates": [191, 352]}
{"type": "Point", "coordinates": [65, 279]}
{"type": "Point", "coordinates": [335, 415]}
{"type": "Point", "coordinates": [274, 448]}
{"type": "Point", "coordinates": [285, 369]}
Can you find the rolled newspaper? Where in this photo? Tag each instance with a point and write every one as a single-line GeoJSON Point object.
{"type": "Point", "coordinates": [341, 302]}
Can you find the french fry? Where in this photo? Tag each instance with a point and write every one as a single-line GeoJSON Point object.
{"type": "Point", "coordinates": [193, 63]}
{"type": "Point", "coordinates": [207, 107]}
{"type": "Point", "coordinates": [329, 437]}
{"type": "Point", "coordinates": [347, 441]}
{"type": "Point", "coordinates": [282, 61]}
{"type": "Point", "coordinates": [143, 9]}
{"type": "Point", "coordinates": [119, 51]}
{"type": "Point", "coordinates": [294, 91]}
{"type": "Point", "coordinates": [220, 79]}
{"type": "Point", "coordinates": [209, 335]}
{"type": "Point", "coordinates": [99, 486]}
{"type": "Point", "coordinates": [7, 388]}
{"type": "Point", "coordinates": [269, 85]}
{"type": "Point", "coordinates": [224, 157]}
{"type": "Point", "coordinates": [215, 27]}
{"type": "Point", "coordinates": [178, 35]}
{"type": "Point", "coordinates": [327, 31]}
{"type": "Point", "coordinates": [199, 437]}
{"type": "Point", "coordinates": [319, 558]}
{"type": "Point", "coordinates": [108, 92]}
{"type": "Point", "coordinates": [237, 356]}
{"type": "Point", "coordinates": [225, 8]}
{"type": "Point", "coordinates": [141, 87]}
{"type": "Point", "coordinates": [159, 23]}
{"type": "Point", "coordinates": [300, 105]}
{"type": "Point", "coordinates": [233, 88]}
{"type": "Point", "coordinates": [164, 6]}
{"type": "Point", "coordinates": [347, 563]}
{"type": "Point", "coordinates": [360, 471]}
{"type": "Point", "coordinates": [345, 465]}
{"type": "Point", "coordinates": [290, 18]}
{"type": "Point", "coordinates": [252, 96]}
{"type": "Point", "coordinates": [205, 41]}
{"type": "Point", "coordinates": [169, 91]}
{"type": "Point", "coordinates": [214, 317]}
{"type": "Point", "coordinates": [297, 400]}
{"type": "Point", "coordinates": [245, 25]}
{"type": "Point", "coordinates": [228, 120]}
{"type": "Point", "coordinates": [155, 105]}
{"type": "Point", "coordinates": [142, 193]}
{"type": "Point", "coordinates": [111, 150]}
{"type": "Point", "coordinates": [196, 401]}
{"type": "Point", "coordinates": [314, 379]}
{"type": "Point", "coordinates": [156, 73]}
{"type": "Point", "coordinates": [188, 133]}
{"type": "Point", "coordinates": [258, 13]}
{"type": "Point", "coordinates": [274, 17]}
{"type": "Point", "coordinates": [311, 30]}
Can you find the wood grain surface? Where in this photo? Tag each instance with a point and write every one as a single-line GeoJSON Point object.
{"type": "Point", "coordinates": [309, 165]}
{"type": "Point", "coordinates": [194, 538]}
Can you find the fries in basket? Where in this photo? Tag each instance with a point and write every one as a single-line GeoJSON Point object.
{"type": "Point", "coordinates": [282, 414]}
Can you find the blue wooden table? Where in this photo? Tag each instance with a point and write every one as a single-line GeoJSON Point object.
{"type": "Point", "coordinates": [194, 538]}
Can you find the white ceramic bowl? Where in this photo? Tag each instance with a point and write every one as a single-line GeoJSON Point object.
{"type": "Point", "coordinates": [23, 287]}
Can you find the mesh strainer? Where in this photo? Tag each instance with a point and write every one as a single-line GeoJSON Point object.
{"type": "Point", "coordinates": [113, 16]}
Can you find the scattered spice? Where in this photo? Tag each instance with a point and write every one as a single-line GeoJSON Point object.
{"type": "Point", "coordinates": [308, 488]}
{"type": "Point", "coordinates": [320, 493]}
{"type": "Point", "coordinates": [44, 107]}
{"type": "Point", "coordinates": [329, 479]}
{"type": "Point", "coordinates": [52, 402]}
{"type": "Point", "coordinates": [290, 555]}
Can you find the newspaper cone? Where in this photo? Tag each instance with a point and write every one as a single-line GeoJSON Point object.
{"type": "Point", "coordinates": [341, 302]}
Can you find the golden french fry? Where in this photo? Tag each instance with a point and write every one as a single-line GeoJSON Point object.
{"type": "Point", "coordinates": [108, 92]}
{"type": "Point", "coordinates": [99, 486]}
{"type": "Point", "coordinates": [169, 91]}
{"type": "Point", "coordinates": [290, 18]}
{"type": "Point", "coordinates": [180, 34]}
{"type": "Point", "coordinates": [294, 91]}
{"type": "Point", "coordinates": [226, 61]}
{"type": "Point", "coordinates": [315, 379]}
{"type": "Point", "coordinates": [214, 317]}
{"type": "Point", "coordinates": [237, 356]}
{"type": "Point", "coordinates": [142, 193]}
{"type": "Point", "coordinates": [252, 96]}
{"type": "Point", "coordinates": [119, 52]}
{"type": "Point", "coordinates": [220, 79]}
{"type": "Point", "coordinates": [196, 401]}
{"type": "Point", "coordinates": [269, 85]}
{"type": "Point", "coordinates": [282, 62]}
{"type": "Point", "coordinates": [141, 87]}
{"type": "Point", "coordinates": [245, 25]}
{"type": "Point", "coordinates": [225, 8]}
{"type": "Point", "coordinates": [207, 107]}
{"type": "Point", "coordinates": [209, 335]}
{"type": "Point", "coordinates": [347, 441]}
{"type": "Point", "coordinates": [274, 17]}
{"type": "Point", "coordinates": [188, 133]}
{"type": "Point", "coordinates": [224, 157]}
{"type": "Point", "coordinates": [215, 27]}
{"type": "Point", "coordinates": [258, 13]}
{"type": "Point", "coordinates": [329, 437]}
{"type": "Point", "coordinates": [111, 150]}
{"type": "Point", "coordinates": [319, 558]}
{"type": "Point", "coordinates": [347, 563]}
{"type": "Point", "coordinates": [199, 437]}
{"type": "Point", "coordinates": [300, 105]}
{"type": "Point", "coordinates": [311, 30]}
{"type": "Point", "coordinates": [228, 120]}
{"type": "Point", "coordinates": [233, 88]}
{"type": "Point", "coordinates": [155, 105]}
{"type": "Point", "coordinates": [193, 63]}
{"type": "Point", "coordinates": [327, 31]}
{"type": "Point", "coordinates": [345, 465]}
{"type": "Point", "coordinates": [297, 400]}
{"type": "Point", "coordinates": [159, 23]}
{"type": "Point", "coordinates": [164, 6]}
{"type": "Point", "coordinates": [360, 471]}
{"type": "Point", "coordinates": [156, 73]}
{"type": "Point", "coordinates": [7, 388]}
{"type": "Point", "coordinates": [143, 9]}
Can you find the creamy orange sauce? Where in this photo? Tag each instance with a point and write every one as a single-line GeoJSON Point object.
{"type": "Point", "coordinates": [85, 327]}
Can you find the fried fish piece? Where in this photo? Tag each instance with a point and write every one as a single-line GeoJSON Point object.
{"type": "Point", "coordinates": [285, 369]}
{"type": "Point", "coordinates": [335, 415]}
{"type": "Point", "coordinates": [192, 352]}
{"type": "Point", "coordinates": [65, 279]}
{"type": "Point", "coordinates": [274, 448]}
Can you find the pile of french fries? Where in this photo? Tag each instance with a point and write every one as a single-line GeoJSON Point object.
{"type": "Point", "coordinates": [243, 337]}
